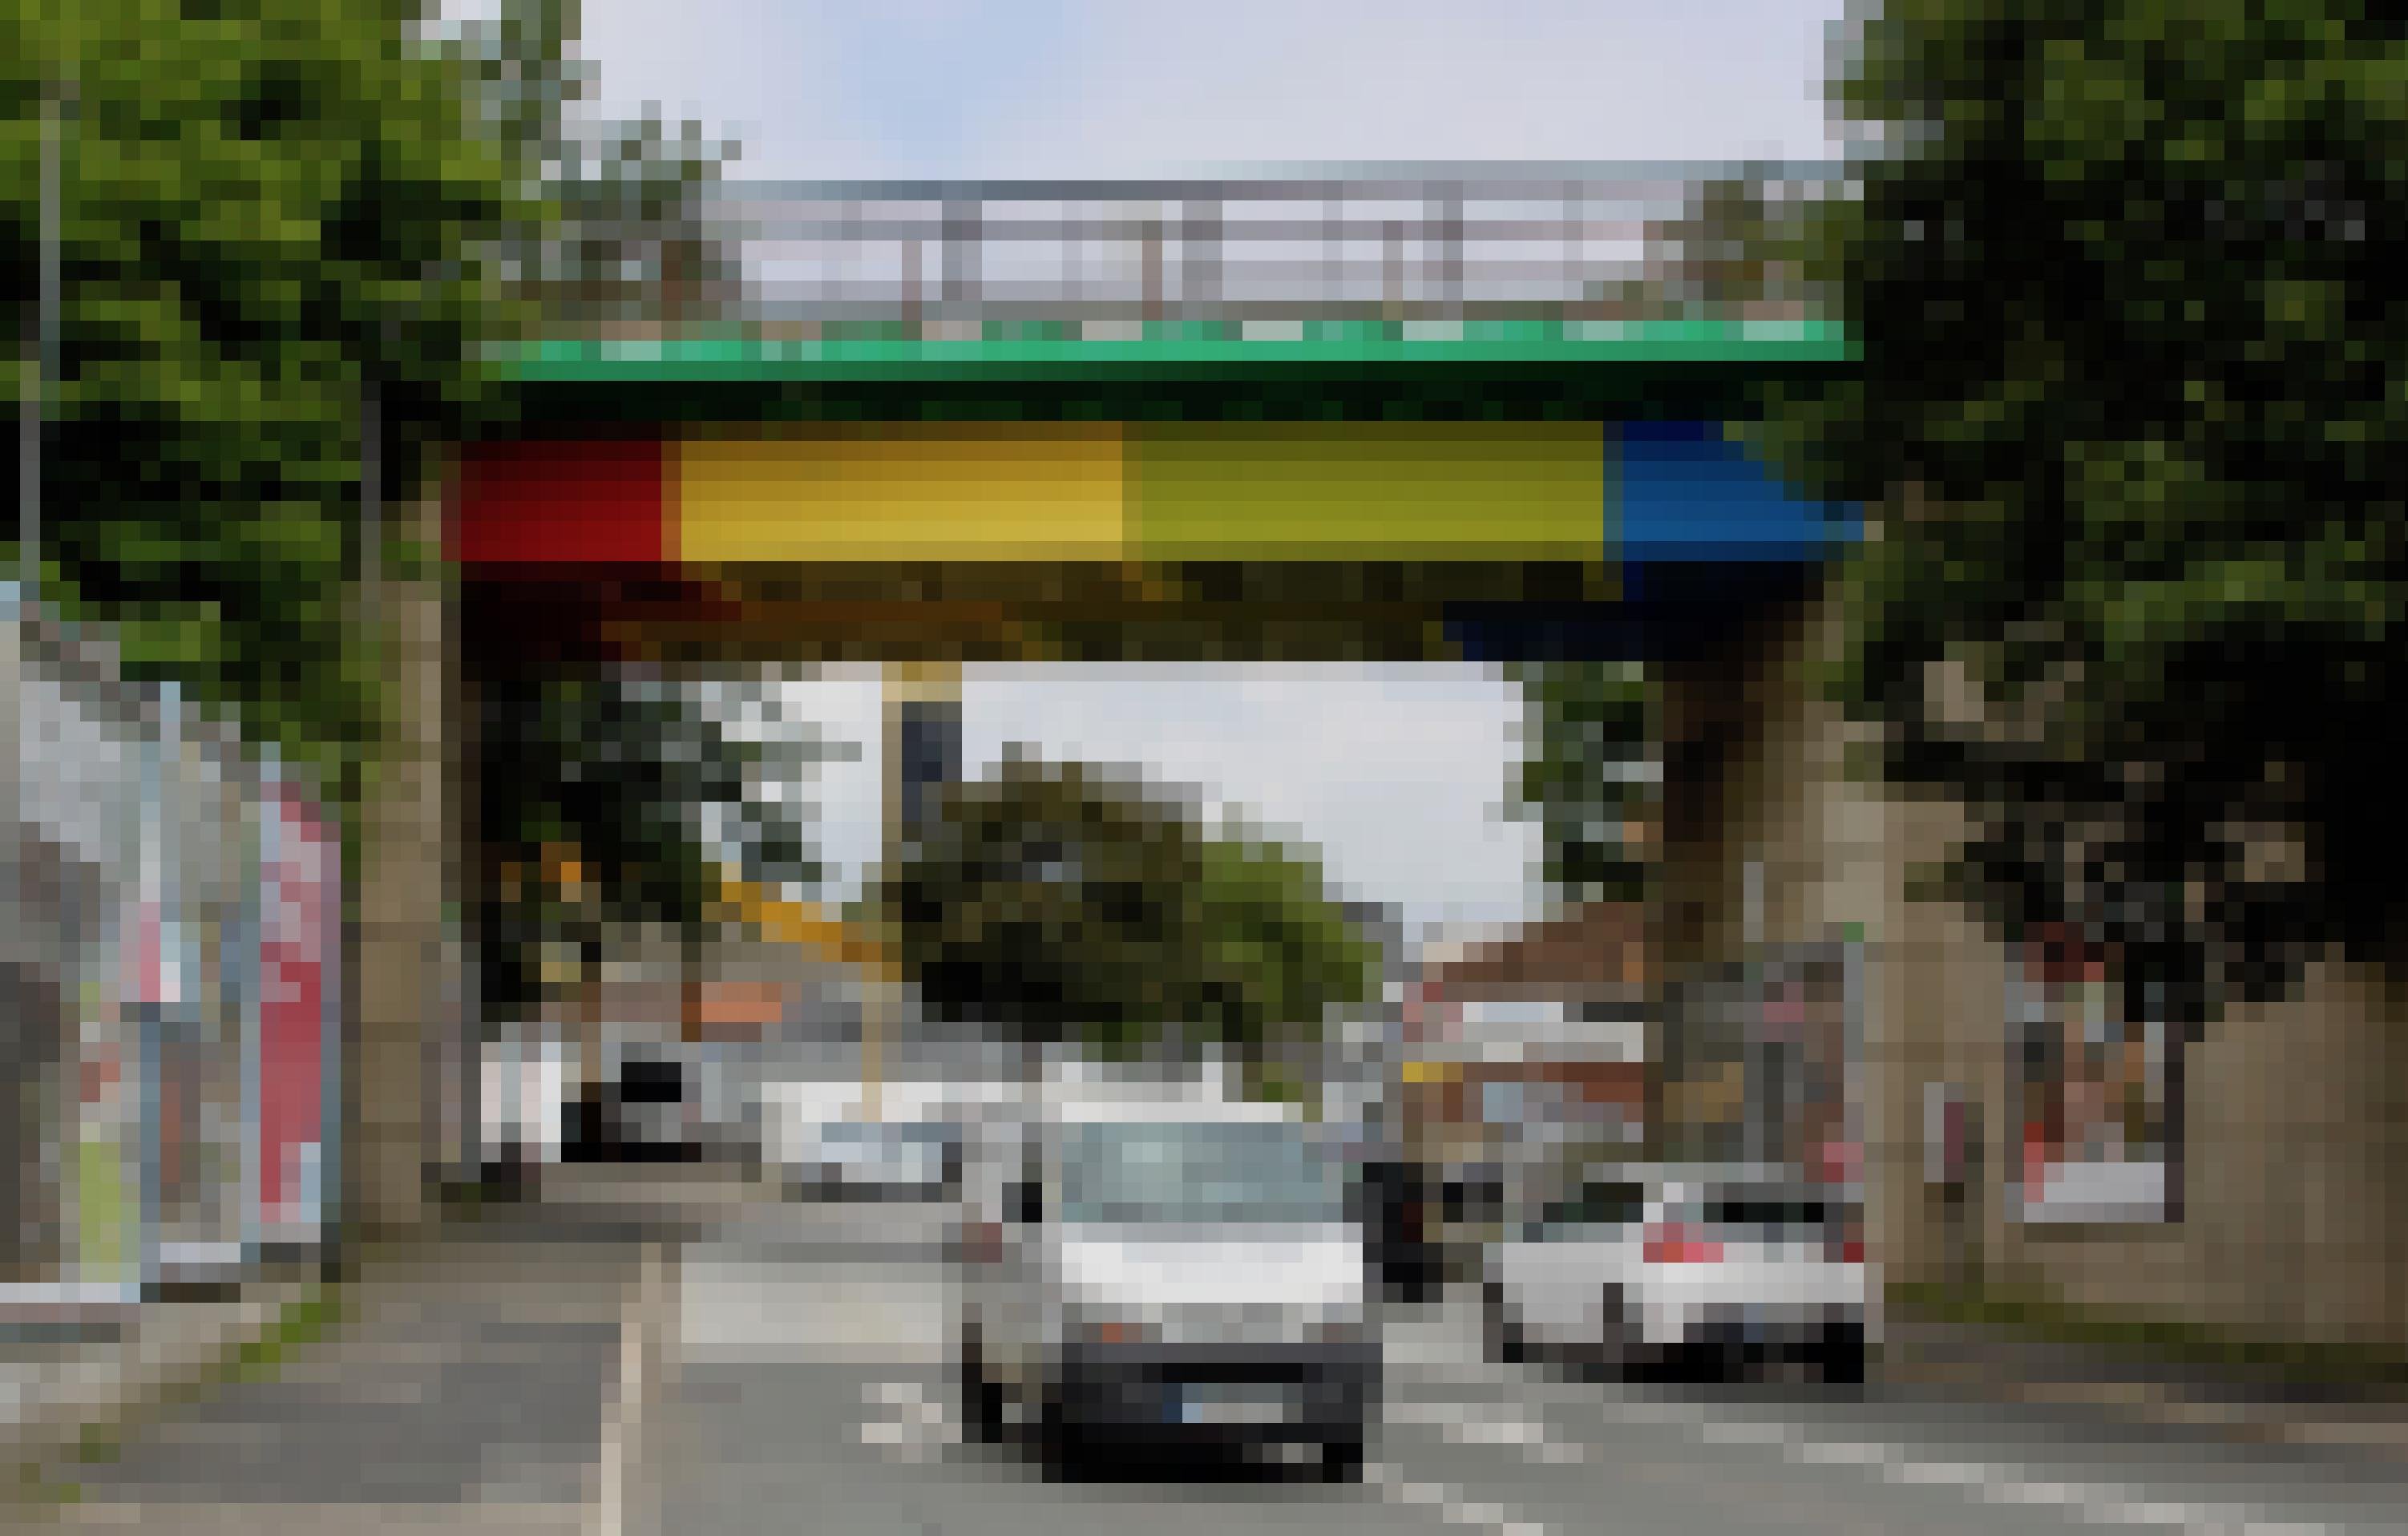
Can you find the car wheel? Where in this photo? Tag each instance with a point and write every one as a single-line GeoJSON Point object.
{"type": "Point", "coordinates": [1842, 1358]}
{"type": "Point", "coordinates": [1505, 1340]}
{"type": "Point", "coordinates": [1342, 1461]}
{"type": "Point", "coordinates": [1711, 1361]}
{"type": "Point", "coordinates": [582, 1128]}
{"type": "Point", "coordinates": [1058, 1444]}
{"type": "Point", "coordinates": [1621, 1355]}
{"type": "Point", "coordinates": [982, 1400]}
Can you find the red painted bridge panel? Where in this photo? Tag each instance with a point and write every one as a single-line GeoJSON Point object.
{"type": "Point", "coordinates": [560, 503]}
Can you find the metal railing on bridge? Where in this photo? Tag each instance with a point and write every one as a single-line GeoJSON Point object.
{"type": "Point", "coordinates": [1270, 257]}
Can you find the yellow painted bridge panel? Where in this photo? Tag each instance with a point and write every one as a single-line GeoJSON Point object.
{"type": "Point", "coordinates": [1154, 491]}
{"type": "Point", "coordinates": [903, 490]}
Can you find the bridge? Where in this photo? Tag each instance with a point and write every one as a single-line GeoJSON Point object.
{"type": "Point", "coordinates": [1459, 413]}
{"type": "Point", "coordinates": [1510, 389]}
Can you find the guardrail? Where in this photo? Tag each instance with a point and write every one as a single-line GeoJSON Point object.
{"type": "Point", "coordinates": [1088, 259]}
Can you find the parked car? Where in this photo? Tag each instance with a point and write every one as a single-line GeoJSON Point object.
{"type": "Point", "coordinates": [660, 1102]}
{"type": "Point", "coordinates": [856, 1159]}
{"type": "Point", "coordinates": [1638, 1272]}
{"type": "Point", "coordinates": [524, 1086]}
{"type": "Point", "coordinates": [1163, 1276]}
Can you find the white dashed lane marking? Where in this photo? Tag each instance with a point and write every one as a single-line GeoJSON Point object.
{"type": "Point", "coordinates": [907, 1422]}
{"type": "Point", "coordinates": [1449, 1503]}
{"type": "Point", "coordinates": [2094, 1502]}
{"type": "Point", "coordinates": [912, 1422]}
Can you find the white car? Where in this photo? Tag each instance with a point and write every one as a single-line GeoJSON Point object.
{"type": "Point", "coordinates": [1160, 1276]}
{"type": "Point", "coordinates": [1643, 1271]}
{"type": "Point", "coordinates": [880, 1159]}
{"type": "Point", "coordinates": [526, 1085]}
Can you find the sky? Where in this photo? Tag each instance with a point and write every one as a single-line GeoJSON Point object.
{"type": "Point", "coordinates": [840, 89]}
{"type": "Point", "coordinates": [1395, 778]}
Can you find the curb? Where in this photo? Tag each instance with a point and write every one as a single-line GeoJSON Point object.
{"type": "Point", "coordinates": [2140, 1401]}
{"type": "Point", "coordinates": [156, 1357]}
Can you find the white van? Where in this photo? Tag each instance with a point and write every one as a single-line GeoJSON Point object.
{"type": "Point", "coordinates": [1161, 1272]}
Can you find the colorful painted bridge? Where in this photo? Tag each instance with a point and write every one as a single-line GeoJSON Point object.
{"type": "Point", "coordinates": [1585, 471]}
{"type": "Point", "coordinates": [1414, 439]}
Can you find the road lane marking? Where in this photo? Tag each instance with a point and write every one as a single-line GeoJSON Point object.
{"type": "Point", "coordinates": [1842, 1453]}
{"type": "Point", "coordinates": [643, 1346]}
{"type": "Point", "coordinates": [914, 1426]}
{"type": "Point", "coordinates": [1449, 1503]}
{"type": "Point", "coordinates": [2104, 1504]}
{"type": "Point", "coordinates": [1464, 1425]}
{"type": "Point", "coordinates": [2004, 1484]}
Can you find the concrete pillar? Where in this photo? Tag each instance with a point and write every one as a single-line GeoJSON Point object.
{"type": "Point", "coordinates": [404, 943]}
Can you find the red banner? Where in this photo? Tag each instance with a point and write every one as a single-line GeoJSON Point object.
{"type": "Point", "coordinates": [297, 916]}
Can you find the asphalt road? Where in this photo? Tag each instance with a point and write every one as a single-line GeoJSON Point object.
{"type": "Point", "coordinates": [808, 1388]}
{"type": "Point", "coordinates": [655, 1363]}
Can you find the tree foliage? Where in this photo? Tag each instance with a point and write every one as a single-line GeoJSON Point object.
{"type": "Point", "coordinates": [275, 213]}
{"type": "Point", "coordinates": [271, 210]}
{"type": "Point", "coordinates": [2131, 430]}
{"type": "Point", "coordinates": [1061, 903]}
{"type": "Point", "coordinates": [1591, 727]}
{"type": "Point", "coordinates": [633, 241]}
{"type": "Point", "coordinates": [1730, 251]}
{"type": "Point", "coordinates": [622, 800]}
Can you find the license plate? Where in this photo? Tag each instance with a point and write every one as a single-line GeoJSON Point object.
{"type": "Point", "coordinates": [1234, 1408]}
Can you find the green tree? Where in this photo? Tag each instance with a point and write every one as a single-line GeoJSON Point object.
{"type": "Point", "coordinates": [1591, 726]}
{"type": "Point", "coordinates": [1062, 903]}
{"type": "Point", "coordinates": [2131, 437]}
{"type": "Point", "coordinates": [640, 787]}
{"type": "Point", "coordinates": [649, 792]}
{"type": "Point", "coordinates": [632, 240]}
{"type": "Point", "coordinates": [1730, 250]}
{"type": "Point", "coordinates": [273, 212]}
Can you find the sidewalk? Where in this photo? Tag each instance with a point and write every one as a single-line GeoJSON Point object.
{"type": "Point", "coordinates": [66, 1369]}
{"type": "Point", "coordinates": [2258, 1406]}
{"type": "Point", "coordinates": [468, 1381]}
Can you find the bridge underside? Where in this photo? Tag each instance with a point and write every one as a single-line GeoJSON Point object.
{"type": "Point", "coordinates": [1412, 503]}
{"type": "Point", "coordinates": [705, 521]}
{"type": "Point", "coordinates": [697, 619]}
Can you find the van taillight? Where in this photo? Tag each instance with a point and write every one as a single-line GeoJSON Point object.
{"type": "Point", "coordinates": [1671, 1242]}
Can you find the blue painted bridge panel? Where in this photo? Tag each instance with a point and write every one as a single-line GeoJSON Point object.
{"type": "Point", "coordinates": [1689, 494]}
